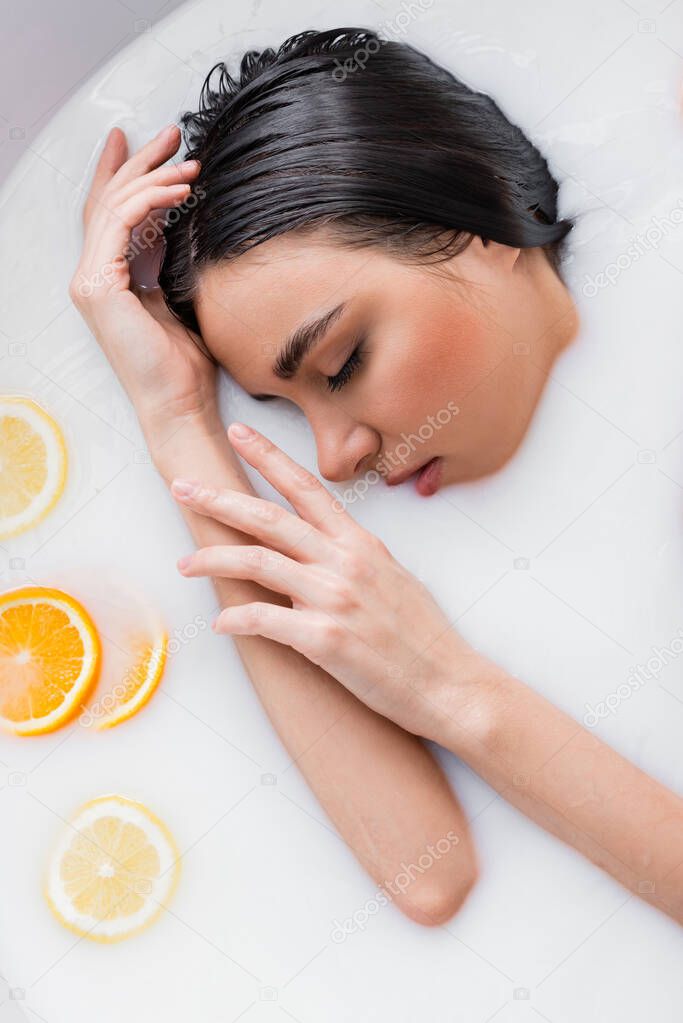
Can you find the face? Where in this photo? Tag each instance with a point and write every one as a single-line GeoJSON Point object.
{"type": "Point", "coordinates": [396, 366]}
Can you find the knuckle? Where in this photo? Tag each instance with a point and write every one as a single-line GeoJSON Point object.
{"type": "Point", "coordinates": [263, 446]}
{"type": "Point", "coordinates": [262, 558]}
{"type": "Point", "coordinates": [323, 638]}
{"type": "Point", "coordinates": [208, 496]}
{"type": "Point", "coordinates": [332, 633]}
{"type": "Point", "coordinates": [76, 289]}
{"type": "Point", "coordinates": [343, 597]}
{"type": "Point", "coordinates": [269, 513]}
{"type": "Point", "coordinates": [253, 615]}
{"type": "Point", "coordinates": [377, 546]}
{"type": "Point", "coordinates": [353, 566]}
{"type": "Point", "coordinates": [305, 480]}
{"type": "Point", "coordinates": [251, 556]}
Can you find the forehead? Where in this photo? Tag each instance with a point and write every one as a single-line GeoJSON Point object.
{"type": "Point", "coordinates": [265, 294]}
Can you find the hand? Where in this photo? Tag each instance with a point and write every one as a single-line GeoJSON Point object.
{"type": "Point", "coordinates": [157, 360]}
{"type": "Point", "coordinates": [355, 610]}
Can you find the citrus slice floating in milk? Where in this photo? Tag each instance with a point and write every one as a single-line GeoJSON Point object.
{"type": "Point", "coordinates": [115, 868]}
{"type": "Point", "coordinates": [50, 657]}
{"type": "Point", "coordinates": [32, 464]}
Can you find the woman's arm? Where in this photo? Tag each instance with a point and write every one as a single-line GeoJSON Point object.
{"type": "Point", "coordinates": [382, 789]}
{"type": "Point", "coordinates": [380, 786]}
{"type": "Point", "coordinates": [377, 629]}
{"type": "Point", "coordinates": [566, 779]}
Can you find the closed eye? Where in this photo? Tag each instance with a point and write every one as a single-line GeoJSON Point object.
{"type": "Point", "coordinates": [341, 378]}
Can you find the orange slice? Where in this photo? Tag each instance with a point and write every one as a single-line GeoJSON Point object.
{"type": "Point", "coordinates": [32, 464]}
{"type": "Point", "coordinates": [114, 870]}
{"type": "Point", "coordinates": [49, 659]}
{"type": "Point", "coordinates": [134, 690]}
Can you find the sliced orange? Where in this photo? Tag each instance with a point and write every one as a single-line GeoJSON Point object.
{"type": "Point", "coordinates": [136, 687]}
{"type": "Point", "coordinates": [113, 871]}
{"type": "Point", "coordinates": [32, 464]}
{"type": "Point", "coordinates": [49, 658]}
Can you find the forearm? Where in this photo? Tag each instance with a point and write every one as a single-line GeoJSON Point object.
{"type": "Point", "coordinates": [567, 780]}
{"type": "Point", "coordinates": [380, 786]}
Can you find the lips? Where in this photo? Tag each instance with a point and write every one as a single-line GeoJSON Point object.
{"type": "Point", "coordinates": [401, 477]}
{"type": "Point", "coordinates": [428, 475]}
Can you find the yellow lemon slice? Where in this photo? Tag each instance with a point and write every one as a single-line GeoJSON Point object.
{"type": "Point", "coordinates": [134, 690]}
{"type": "Point", "coordinates": [32, 464]}
{"type": "Point", "coordinates": [114, 870]}
{"type": "Point", "coordinates": [49, 658]}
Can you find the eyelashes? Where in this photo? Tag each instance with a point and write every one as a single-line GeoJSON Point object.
{"type": "Point", "coordinates": [341, 378]}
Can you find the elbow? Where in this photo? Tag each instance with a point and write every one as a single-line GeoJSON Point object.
{"type": "Point", "coordinates": [433, 899]}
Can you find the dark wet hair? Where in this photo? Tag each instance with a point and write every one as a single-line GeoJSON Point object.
{"type": "Point", "coordinates": [366, 136]}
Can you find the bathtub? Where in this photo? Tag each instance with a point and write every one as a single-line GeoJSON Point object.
{"type": "Point", "coordinates": [565, 567]}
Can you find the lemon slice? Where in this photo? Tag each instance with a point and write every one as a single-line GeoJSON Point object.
{"type": "Point", "coordinates": [134, 690]}
{"type": "Point", "coordinates": [32, 464]}
{"type": "Point", "coordinates": [113, 871]}
{"type": "Point", "coordinates": [49, 658]}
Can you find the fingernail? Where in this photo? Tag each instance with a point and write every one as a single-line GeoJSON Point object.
{"type": "Point", "coordinates": [184, 488]}
{"type": "Point", "coordinates": [241, 431]}
{"type": "Point", "coordinates": [184, 562]}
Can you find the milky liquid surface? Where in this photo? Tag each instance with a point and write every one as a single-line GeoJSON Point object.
{"type": "Point", "coordinates": [565, 567]}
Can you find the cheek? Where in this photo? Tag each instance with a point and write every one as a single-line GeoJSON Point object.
{"type": "Point", "coordinates": [437, 359]}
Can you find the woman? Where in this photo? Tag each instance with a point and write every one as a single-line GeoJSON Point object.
{"type": "Point", "coordinates": [372, 244]}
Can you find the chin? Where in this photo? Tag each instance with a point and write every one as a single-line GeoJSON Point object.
{"type": "Point", "coordinates": [459, 468]}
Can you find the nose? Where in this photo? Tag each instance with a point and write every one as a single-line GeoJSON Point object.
{"type": "Point", "coordinates": [345, 447]}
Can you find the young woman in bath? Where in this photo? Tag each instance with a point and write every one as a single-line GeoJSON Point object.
{"type": "Point", "coordinates": [370, 240]}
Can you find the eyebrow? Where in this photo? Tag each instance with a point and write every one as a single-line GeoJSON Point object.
{"type": "Point", "coordinates": [299, 344]}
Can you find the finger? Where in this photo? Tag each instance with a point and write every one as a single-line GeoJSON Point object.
{"type": "Point", "coordinates": [301, 488]}
{"type": "Point", "coordinates": [169, 174]}
{"type": "Point", "coordinates": [118, 171]}
{"type": "Point", "coordinates": [271, 569]}
{"type": "Point", "coordinates": [252, 515]}
{"type": "Point", "coordinates": [134, 210]}
{"type": "Point", "coordinates": [155, 152]}
{"type": "Point", "coordinates": [114, 154]}
{"type": "Point", "coordinates": [107, 241]}
{"type": "Point", "coordinates": [312, 634]}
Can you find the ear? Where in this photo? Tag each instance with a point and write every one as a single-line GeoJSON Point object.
{"type": "Point", "coordinates": [503, 257]}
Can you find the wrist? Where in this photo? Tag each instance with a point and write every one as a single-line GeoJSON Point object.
{"type": "Point", "coordinates": [197, 447]}
{"type": "Point", "coordinates": [464, 697]}
{"type": "Point", "coordinates": [168, 438]}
